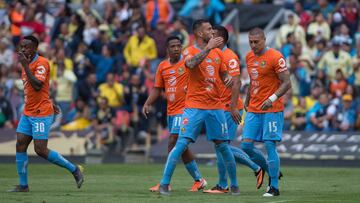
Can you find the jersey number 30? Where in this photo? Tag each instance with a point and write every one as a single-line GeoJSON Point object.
{"type": "Point", "coordinates": [39, 127]}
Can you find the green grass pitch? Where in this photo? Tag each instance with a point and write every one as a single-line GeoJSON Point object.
{"type": "Point", "coordinates": [130, 183]}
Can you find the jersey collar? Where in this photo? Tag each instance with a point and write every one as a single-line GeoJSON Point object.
{"type": "Point", "coordinates": [181, 56]}
{"type": "Point", "coordinates": [263, 51]}
{"type": "Point", "coordinates": [35, 58]}
{"type": "Point", "coordinates": [224, 48]}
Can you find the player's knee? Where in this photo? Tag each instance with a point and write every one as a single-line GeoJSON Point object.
{"type": "Point", "coordinates": [270, 145]}
{"type": "Point", "coordinates": [246, 146]}
{"type": "Point", "coordinates": [172, 142]}
{"type": "Point", "coordinates": [41, 151]}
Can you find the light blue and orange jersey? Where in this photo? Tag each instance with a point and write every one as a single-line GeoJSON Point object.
{"type": "Point", "coordinates": [38, 103]}
{"type": "Point", "coordinates": [264, 81]}
{"type": "Point", "coordinates": [204, 86]}
{"type": "Point", "coordinates": [173, 78]}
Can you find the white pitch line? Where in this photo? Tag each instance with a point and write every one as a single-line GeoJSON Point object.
{"type": "Point", "coordinates": [280, 201]}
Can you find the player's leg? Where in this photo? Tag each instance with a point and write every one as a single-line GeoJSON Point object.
{"type": "Point", "coordinates": [23, 139]}
{"type": "Point", "coordinates": [187, 157]}
{"type": "Point", "coordinates": [253, 130]}
{"type": "Point", "coordinates": [40, 131]}
{"type": "Point", "coordinates": [216, 131]}
{"type": "Point", "coordinates": [191, 121]}
{"type": "Point", "coordinates": [273, 125]}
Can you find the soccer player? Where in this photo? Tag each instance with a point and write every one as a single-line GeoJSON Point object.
{"type": "Point", "coordinates": [231, 114]}
{"type": "Point", "coordinates": [203, 103]}
{"type": "Point", "coordinates": [269, 81]}
{"type": "Point", "coordinates": [172, 76]}
{"type": "Point", "coordinates": [37, 116]}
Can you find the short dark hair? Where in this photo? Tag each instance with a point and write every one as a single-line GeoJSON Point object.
{"type": "Point", "coordinates": [172, 38]}
{"type": "Point", "coordinates": [198, 23]}
{"type": "Point", "coordinates": [33, 39]}
{"type": "Point", "coordinates": [257, 31]}
{"type": "Point", "coordinates": [222, 32]}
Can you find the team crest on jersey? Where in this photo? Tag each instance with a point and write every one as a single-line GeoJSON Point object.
{"type": "Point", "coordinates": [172, 71]}
{"type": "Point", "coordinates": [181, 70]}
{"type": "Point", "coordinates": [262, 64]}
{"type": "Point", "coordinates": [185, 121]}
{"type": "Point", "coordinates": [208, 60]}
{"type": "Point", "coordinates": [217, 60]}
{"type": "Point", "coordinates": [182, 130]}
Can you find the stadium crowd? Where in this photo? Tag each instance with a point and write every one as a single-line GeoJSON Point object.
{"type": "Point", "coordinates": [104, 54]}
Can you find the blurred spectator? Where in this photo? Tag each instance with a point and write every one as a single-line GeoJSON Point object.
{"type": "Point", "coordinates": [158, 11]}
{"type": "Point", "coordinates": [122, 10]}
{"type": "Point", "coordinates": [339, 84]}
{"type": "Point", "coordinates": [6, 113]}
{"type": "Point", "coordinates": [62, 16]}
{"type": "Point", "coordinates": [209, 9]}
{"type": "Point", "coordinates": [16, 15]}
{"type": "Point", "coordinates": [346, 115]}
{"type": "Point", "coordinates": [179, 29]}
{"type": "Point", "coordinates": [63, 82]}
{"type": "Point", "coordinates": [305, 17]}
{"type": "Point", "coordinates": [112, 91]}
{"type": "Point", "coordinates": [320, 50]}
{"type": "Point", "coordinates": [311, 100]}
{"type": "Point", "coordinates": [319, 28]}
{"type": "Point", "coordinates": [310, 47]}
{"type": "Point", "coordinates": [317, 117]}
{"type": "Point", "coordinates": [140, 47]}
{"type": "Point", "coordinates": [287, 47]}
{"type": "Point", "coordinates": [6, 54]}
{"type": "Point", "coordinates": [336, 59]}
{"type": "Point", "coordinates": [291, 26]}
{"type": "Point", "coordinates": [159, 35]}
{"type": "Point", "coordinates": [349, 10]}
{"type": "Point", "coordinates": [87, 90]}
{"type": "Point", "coordinates": [87, 13]}
{"type": "Point", "coordinates": [356, 68]}
{"type": "Point", "coordinates": [103, 63]}
{"type": "Point", "coordinates": [103, 121]}
{"type": "Point", "coordinates": [137, 18]}
{"type": "Point", "coordinates": [298, 118]}
{"type": "Point", "coordinates": [324, 7]}
{"type": "Point", "coordinates": [80, 111]}
{"type": "Point", "coordinates": [91, 30]}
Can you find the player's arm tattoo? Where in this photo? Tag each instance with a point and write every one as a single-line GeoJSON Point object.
{"type": "Point", "coordinates": [285, 84]}
{"type": "Point", "coordinates": [34, 82]}
{"type": "Point", "coordinates": [197, 59]}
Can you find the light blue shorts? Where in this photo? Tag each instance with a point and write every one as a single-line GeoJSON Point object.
{"type": "Point", "coordinates": [194, 119]}
{"type": "Point", "coordinates": [174, 123]}
{"type": "Point", "coordinates": [232, 126]}
{"type": "Point", "coordinates": [36, 127]}
{"type": "Point", "coordinates": [263, 126]}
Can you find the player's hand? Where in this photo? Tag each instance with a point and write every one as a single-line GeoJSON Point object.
{"type": "Point", "coordinates": [214, 43]}
{"type": "Point", "coordinates": [23, 59]}
{"type": "Point", "coordinates": [146, 110]}
{"type": "Point", "coordinates": [267, 104]}
{"type": "Point", "coordinates": [235, 115]}
{"type": "Point", "coordinates": [228, 81]}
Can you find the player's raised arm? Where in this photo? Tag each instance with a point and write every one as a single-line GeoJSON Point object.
{"type": "Point", "coordinates": [154, 94]}
{"type": "Point", "coordinates": [27, 52]}
{"type": "Point", "coordinates": [204, 40]}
